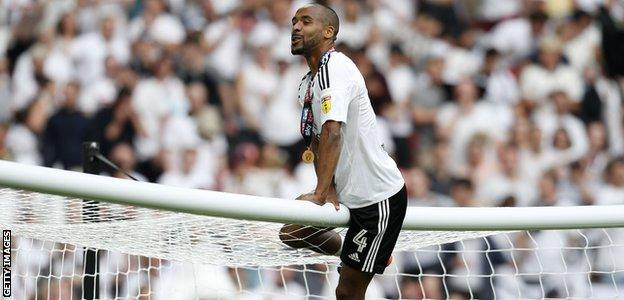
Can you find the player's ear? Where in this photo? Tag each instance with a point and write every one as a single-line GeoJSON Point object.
{"type": "Point", "coordinates": [328, 32]}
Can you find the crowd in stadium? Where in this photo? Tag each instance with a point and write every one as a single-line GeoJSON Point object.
{"type": "Point", "coordinates": [480, 102]}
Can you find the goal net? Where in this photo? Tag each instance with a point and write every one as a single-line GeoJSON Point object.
{"type": "Point", "coordinates": [156, 254]}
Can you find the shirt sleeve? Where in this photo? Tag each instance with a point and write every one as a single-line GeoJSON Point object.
{"type": "Point", "coordinates": [335, 84]}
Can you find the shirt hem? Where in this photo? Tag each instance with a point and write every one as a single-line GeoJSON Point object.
{"type": "Point", "coordinates": [382, 197]}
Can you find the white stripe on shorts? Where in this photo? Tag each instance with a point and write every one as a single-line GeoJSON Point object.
{"type": "Point", "coordinates": [384, 214]}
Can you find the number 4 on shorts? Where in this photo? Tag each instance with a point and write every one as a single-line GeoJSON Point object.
{"type": "Point", "coordinates": [360, 240]}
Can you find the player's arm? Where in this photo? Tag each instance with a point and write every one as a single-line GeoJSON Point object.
{"type": "Point", "coordinates": [314, 146]}
{"type": "Point", "coordinates": [329, 146]}
{"type": "Point", "coordinates": [335, 86]}
{"type": "Point", "coordinates": [331, 194]}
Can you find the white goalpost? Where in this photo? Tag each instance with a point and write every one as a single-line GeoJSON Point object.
{"type": "Point", "coordinates": [160, 242]}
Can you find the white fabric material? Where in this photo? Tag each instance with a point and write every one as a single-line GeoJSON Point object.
{"type": "Point", "coordinates": [154, 101]}
{"type": "Point", "coordinates": [90, 51]}
{"type": "Point", "coordinates": [192, 180]}
{"type": "Point", "coordinates": [536, 82]}
{"type": "Point", "coordinates": [280, 109]}
{"type": "Point", "coordinates": [502, 88]}
{"type": "Point", "coordinates": [512, 37]}
{"type": "Point", "coordinates": [610, 195]}
{"type": "Point", "coordinates": [58, 67]}
{"type": "Point", "coordinates": [365, 173]}
{"type": "Point", "coordinates": [581, 50]}
{"type": "Point", "coordinates": [493, 10]}
{"type": "Point", "coordinates": [24, 85]}
{"type": "Point", "coordinates": [226, 56]}
{"type": "Point", "coordinates": [23, 145]}
{"type": "Point", "coordinates": [165, 29]}
{"type": "Point", "coordinates": [548, 123]}
{"type": "Point", "coordinates": [99, 94]}
{"type": "Point", "coordinates": [493, 191]}
{"type": "Point", "coordinates": [400, 83]}
{"type": "Point", "coordinates": [258, 85]}
{"type": "Point", "coordinates": [460, 63]}
{"type": "Point", "coordinates": [612, 114]}
{"type": "Point", "coordinates": [485, 117]}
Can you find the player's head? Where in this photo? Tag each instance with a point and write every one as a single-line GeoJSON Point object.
{"type": "Point", "coordinates": [313, 25]}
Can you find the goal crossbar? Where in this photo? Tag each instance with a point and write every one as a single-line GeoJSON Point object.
{"type": "Point", "coordinates": [228, 205]}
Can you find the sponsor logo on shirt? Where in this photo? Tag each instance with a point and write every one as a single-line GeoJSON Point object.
{"type": "Point", "coordinates": [326, 104]}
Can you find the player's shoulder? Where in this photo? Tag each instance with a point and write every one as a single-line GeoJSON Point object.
{"type": "Point", "coordinates": [338, 59]}
{"type": "Point", "coordinates": [341, 67]}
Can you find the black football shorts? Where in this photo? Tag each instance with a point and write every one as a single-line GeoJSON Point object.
{"type": "Point", "coordinates": [373, 232]}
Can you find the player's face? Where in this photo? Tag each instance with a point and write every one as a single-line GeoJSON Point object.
{"type": "Point", "coordinates": [306, 31]}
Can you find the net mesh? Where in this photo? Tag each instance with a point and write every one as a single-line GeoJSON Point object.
{"type": "Point", "coordinates": [169, 235]}
{"type": "Point", "coordinates": [150, 254]}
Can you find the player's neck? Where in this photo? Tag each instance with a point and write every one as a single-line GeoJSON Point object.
{"type": "Point", "coordinates": [315, 55]}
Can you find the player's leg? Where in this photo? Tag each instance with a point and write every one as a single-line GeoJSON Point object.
{"type": "Point", "coordinates": [369, 242]}
{"type": "Point", "coordinates": [352, 283]}
{"type": "Point", "coordinates": [319, 239]}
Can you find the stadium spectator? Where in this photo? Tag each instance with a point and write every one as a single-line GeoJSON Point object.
{"type": "Point", "coordinates": [187, 175]}
{"type": "Point", "coordinates": [91, 49]}
{"type": "Point", "coordinates": [612, 191]}
{"type": "Point", "coordinates": [22, 136]}
{"type": "Point", "coordinates": [122, 155]}
{"type": "Point", "coordinates": [118, 123]}
{"type": "Point", "coordinates": [102, 91]}
{"type": "Point", "coordinates": [460, 120]}
{"type": "Point", "coordinates": [497, 81]}
{"type": "Point", "coordinates": [581, 41]}
{"type": "Point", "coordinates": [157, 99]}
{"type": "Point", "coordinates": [157, 25]}
{"type": "Point", "coordinates": [419, 190]}
{"type": "Point", "coordinates": [439, 171]}
{"type": "Point", "coordinates": [597, 156]}
{"type": "Point", "coordinates": [462, 192]}
{"type": "Point", "coordinates": [549, 74]}
{"type": "Point", "coordinates": [398, 114]}
{"type": "Point", "coordinates": [354, 26]}
{"type": "Point", "coordinates": [191, 67]}
{"type": "Point", "coordinates": [206, 116]}
{"type": "Point", "coordinates": [256, 85]}
{"type": "Point", "coordinates": [65, 132]}
{"type": "Point", "coordinates": [376, 81]}
{"type": "Point", "coordinates": [516, 38]}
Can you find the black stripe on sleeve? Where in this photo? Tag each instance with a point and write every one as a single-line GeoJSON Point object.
{"type": "Point", "coordinates": [326, 70]}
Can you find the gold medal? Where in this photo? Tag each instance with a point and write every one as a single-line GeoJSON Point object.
{"type": "Point", "coordinates": [308, 156]}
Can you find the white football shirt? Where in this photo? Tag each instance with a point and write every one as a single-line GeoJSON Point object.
{"type": "Point", "coordinates": [365, 173]}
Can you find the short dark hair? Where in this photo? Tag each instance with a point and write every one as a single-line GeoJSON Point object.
{"type": "Point", "coordinates": [330, 17]}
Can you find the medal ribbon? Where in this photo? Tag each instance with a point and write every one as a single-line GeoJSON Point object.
{"type": "Point", "coordinates": [307, 118]}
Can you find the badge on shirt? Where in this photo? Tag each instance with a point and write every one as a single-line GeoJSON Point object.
{"type": "Point", "coordinates": [326, 104]}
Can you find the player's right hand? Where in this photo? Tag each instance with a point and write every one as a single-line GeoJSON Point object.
{"type": "Point", "coordinates": [319, 200]}
{"type": "Point", "coordinates": [310, 197]}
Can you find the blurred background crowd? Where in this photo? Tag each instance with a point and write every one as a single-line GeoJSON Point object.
{"type": "Point", "coordinates": [480, 102]}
